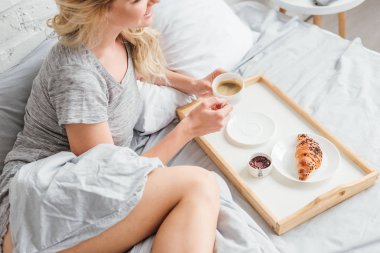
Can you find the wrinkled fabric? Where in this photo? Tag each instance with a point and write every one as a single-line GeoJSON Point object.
{"type": "Point", "coordinates": [337, 82]}
{"type": "Point", "coordinates": [61, 200]}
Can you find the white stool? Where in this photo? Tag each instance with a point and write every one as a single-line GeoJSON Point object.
{"type": "Point", "coordinates": [308, 7]}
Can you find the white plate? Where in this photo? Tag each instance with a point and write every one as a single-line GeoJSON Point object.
{"type": "Point", "coordinates": [250, 128]}
{"type": "Point", "coordinates": [284, 161]}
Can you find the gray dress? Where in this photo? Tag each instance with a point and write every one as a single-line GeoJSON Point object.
{"type": "Point", "coordinates": [56, 198]}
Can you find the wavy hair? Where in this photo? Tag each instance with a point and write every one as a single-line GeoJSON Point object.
{"type": "Point", "coordinates": [79, 22]}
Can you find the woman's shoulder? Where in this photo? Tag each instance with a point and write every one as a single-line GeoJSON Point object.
{"type": "Point", "coordinates": [61, 56]}
{"type": "Point", "coordinates": [65, 62]}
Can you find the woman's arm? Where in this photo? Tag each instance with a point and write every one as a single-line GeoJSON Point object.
{"type": "Point", "coordinates": [209, 116]}
{"type": "Point", "coordinates": [188, 85]}
{"type": "Point", "coordinates": [83, 137]}
{"type": "Point", "coordinates": [171, 143]}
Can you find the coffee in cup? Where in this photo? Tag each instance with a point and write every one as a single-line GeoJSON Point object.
{"type": "Point", "coordinates": [229, 86]}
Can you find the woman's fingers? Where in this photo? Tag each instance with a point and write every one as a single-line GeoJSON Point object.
{"type": "Point", "coordinates": [215, 73]}
{"type": "Point", "coordinates": [218, 71]}
{"type": "Point", "coordinates": [226, 109]}
{"type": "Point", "coordinates": [214, 102]}
{"type": "Point", "coordinates": [221, 108]}
{"type": "Point", "coordinates": [210, 115]}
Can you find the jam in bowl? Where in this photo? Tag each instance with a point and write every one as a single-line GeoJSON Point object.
{"type": "Point", "coordinates": [259, 165]}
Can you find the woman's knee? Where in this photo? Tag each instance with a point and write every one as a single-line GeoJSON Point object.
{"type": "Point", "coordinates": [204, 185]}
{"type": "Point", "coordinates": [185, 181]}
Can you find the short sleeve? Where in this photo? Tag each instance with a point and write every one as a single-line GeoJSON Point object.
{"type": "Point", "coordinates": [78, 95]}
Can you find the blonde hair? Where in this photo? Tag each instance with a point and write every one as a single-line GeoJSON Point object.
{"type": "Point", "coordinates": [79, 22]}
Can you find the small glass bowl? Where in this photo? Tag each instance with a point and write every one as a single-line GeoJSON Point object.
{"type": "Point", "coordinates": [255, 171]}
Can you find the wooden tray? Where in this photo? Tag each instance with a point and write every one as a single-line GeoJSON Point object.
{"type": "Point", "coordinates": [284, 204]}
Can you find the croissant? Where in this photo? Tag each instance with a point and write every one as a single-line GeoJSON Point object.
{"type": "Point", "coordinates": [308, 156]}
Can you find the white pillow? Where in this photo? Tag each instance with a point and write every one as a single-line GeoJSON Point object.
{"type": "Point", "coordinates": [159, 106]}
{"type": "Point", "coordinates": [198, 36]}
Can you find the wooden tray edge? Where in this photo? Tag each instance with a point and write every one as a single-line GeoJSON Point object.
{"type": "Point", "coordinates": [325, 201]}
{"type": "Point", "coordinates": [315, 207]}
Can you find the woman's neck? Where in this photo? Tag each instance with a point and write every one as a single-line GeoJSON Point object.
{"type": "Point", "coordinates": [109, 40]}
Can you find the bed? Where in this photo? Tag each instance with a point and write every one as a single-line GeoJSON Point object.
{"type": "Point", "coordinates": [335, 80]}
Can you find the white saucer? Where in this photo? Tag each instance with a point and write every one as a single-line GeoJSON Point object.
{"type": "Point", "coordinates": [250, 128]}
{"type": "Point", "coordinates": [285, 163]}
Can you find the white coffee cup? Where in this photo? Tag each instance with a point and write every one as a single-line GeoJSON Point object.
{"type": "Point", "coordinates": [236, 93]}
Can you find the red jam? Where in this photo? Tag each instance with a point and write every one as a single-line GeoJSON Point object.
{"type": "Point", "coordinates": [259, 162]}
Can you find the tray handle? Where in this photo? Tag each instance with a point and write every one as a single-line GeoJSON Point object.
{"type": "Point", "coordinates": [325, 201]}
{"type": "Point", "coordinates": [345, 191]}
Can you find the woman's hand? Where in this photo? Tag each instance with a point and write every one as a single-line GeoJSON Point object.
{"type": "Point", "coordinates": [202, 87]}
{"type": "Point", "coordinates": [209, 116]}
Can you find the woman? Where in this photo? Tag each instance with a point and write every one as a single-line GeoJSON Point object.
{"type": "Point", "coordinates": [85, 100]}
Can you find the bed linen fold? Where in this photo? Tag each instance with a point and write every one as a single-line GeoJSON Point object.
{"type": "Point", "coordinates": [61, 200]}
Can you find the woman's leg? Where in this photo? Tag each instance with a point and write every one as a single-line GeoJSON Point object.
{"type": "Point", "coordinates": [7, 243]}
{"type": "Point", "coordinates": [191, 225]}
{"type": "Point", "coordinates": [181, 204]}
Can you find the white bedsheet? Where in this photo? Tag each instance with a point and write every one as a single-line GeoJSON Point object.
{"type": "Point", "coordinates": [338, 82]}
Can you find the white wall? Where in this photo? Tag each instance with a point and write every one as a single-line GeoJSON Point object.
{"type": "Point", "coordinates": [22, 28]}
